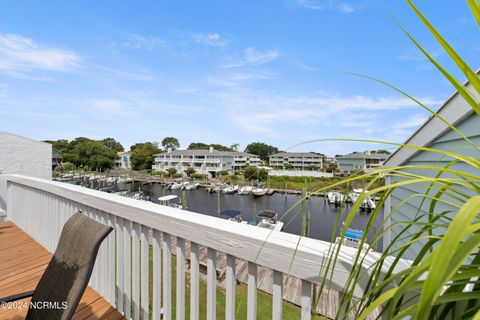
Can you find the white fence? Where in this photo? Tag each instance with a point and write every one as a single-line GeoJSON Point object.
{"type": "Point", "coordinates": [41, 207]}
{"type": "Point", "coordinates": [301, 173]}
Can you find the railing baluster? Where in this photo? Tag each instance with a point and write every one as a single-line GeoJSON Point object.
{"type": "Point", "coordinates": [144, 276]}
{"type": "Point", "coordinates": [180, 310]}
{"type": "Point", "coordinates": [104, 270]}
{"type": "Point", "coordinates": [120, 262]}
{"type": "Point", "coordinates": [167, 277]}
{"type": "Point", "coordinates": [127, 268]}
{"type": "Point", "coordinates": [194, 281]}
{"type": "Point", "coordinates": [111, 260]}
{"type": "Point", "coordinates": [211, 283]}
{"type": "Point", "coordinates": [252, 291]}
{"type": "Point", "coordinates": [157, 275]}
{"type": "Point", "coordinates": [306, 300]}
{"type": "Point", "coordinates": [135, 271]}
{"type": "Point", "coordinates": [277, 291]}
{"type": "Point", "coordinates": [231, 287]}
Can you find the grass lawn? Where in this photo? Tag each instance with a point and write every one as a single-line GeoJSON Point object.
{"type": "Point", "coordinates": [264, 301]}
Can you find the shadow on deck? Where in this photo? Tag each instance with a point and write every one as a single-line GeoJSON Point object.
{"type": "Point", "coordinates": [23, 262]}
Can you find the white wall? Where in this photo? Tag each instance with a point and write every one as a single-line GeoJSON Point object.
{"type": "Point", "coordinates": [301, 173]}
{"type": "Point", "coordinates": [23, 156]}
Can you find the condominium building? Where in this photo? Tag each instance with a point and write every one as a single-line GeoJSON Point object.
{"type": "Point", "coordinates": [361, 161]}
{"type": "Point", "coordinates": [123, 160]}
{"type": "Point", "coordinates": [205, 161]}
{"type": "Point", "coordinates": [298, 160]}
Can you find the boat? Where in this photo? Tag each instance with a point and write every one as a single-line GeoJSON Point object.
{"type": "Point", "coordinates": [168, 201]}
{"type": "Point", "coordinates": [335, 198]}
{"type": "Point", "coordinates": [245, 190]}
{"type": "Point", "coordinates": [232, 215]}
{"type": "Point", "coordinates": [259, 192]}
{"type": "Point", "coordinates": [176, 185]}
{"type": "Point", "coordinates": [352, 197]}
{"type": "Point", "coordinates": [368, 205]}
{"type": "Point", "coordinates": [191, 186]}
{"type": "Point", "coordinates": [230, 190]}
{"type": "Point", "coordinates": [269, 220]}
{"type": "Point", "coordinates": [353, 239]}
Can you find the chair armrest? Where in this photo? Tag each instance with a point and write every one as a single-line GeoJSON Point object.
{"type": "Point", "coordinates": [16, 297]}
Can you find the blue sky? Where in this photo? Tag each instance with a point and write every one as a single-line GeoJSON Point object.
{"type": "Point", "coordinates": [222, 71]}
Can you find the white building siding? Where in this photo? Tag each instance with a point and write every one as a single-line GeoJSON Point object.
{"type": "Point", "coordinates": [23, 156]}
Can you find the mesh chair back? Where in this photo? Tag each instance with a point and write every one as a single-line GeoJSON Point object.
{"type": "Point", "coordinates": [66, 277]}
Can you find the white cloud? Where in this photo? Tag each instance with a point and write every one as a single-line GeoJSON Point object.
{"type": "Point", "coordinates": [135, 41]}
{"type": "Point", "coordinates": [253, 56]}
{"type": "Point", "coordinates": [342, 7]}
{"type": "Point", "coordinates": [262, 113]}
{"type": "Point", "coordinates": [20, 55]}
{"type": "Point", "coordinates": [346, 7]}
{"type": "Point", "coordinates": [210, 39]}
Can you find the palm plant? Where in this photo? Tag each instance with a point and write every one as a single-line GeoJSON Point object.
{"type": "Point", "coordinates": [443, 281]}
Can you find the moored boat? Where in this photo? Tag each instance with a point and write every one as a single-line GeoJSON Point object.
{"type": "Point", "coordinates": [168, 201]}
{"type": "Point", "coordinates": [269, 220]}
{"type": "Point", "coordinates": [259, 192]}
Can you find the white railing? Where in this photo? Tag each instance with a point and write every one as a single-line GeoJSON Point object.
{"type": "Point", "coordinates": [41, 207]}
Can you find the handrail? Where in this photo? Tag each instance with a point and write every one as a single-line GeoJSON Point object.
{"type": "Point", "coordinates": [285, 253]}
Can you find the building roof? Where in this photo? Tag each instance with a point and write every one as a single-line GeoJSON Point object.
{"type": "Point", "coordinates": [206, 152]}
{"type": "Point", "coordinates": [296, 154]}
{"type": "Point", "coordinates": [123, 153]}
{"type": "Point", "coordinates": [22, 137]}
{"type": "Point", "coordinates": [454, 110]}
{"type": "Point", "coordinates": [363, 155]}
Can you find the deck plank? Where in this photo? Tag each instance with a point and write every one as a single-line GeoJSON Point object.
{"type": "Point", "coordinates": [23, 263]}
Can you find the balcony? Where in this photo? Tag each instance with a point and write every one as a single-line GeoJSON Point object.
{"type": "Point", "coordinates": [279, 264]}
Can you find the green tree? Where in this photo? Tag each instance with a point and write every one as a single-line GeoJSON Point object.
{"type": "Point", "coordinates": [61, 145]}
{"type": "Point", "coordinates": [189, 171]}
{"type": "Point", "coordinates": [254, 173]}
{"type": "Point", "coordinates": [86, 153]}
{"type": "Point", "coordinates": [142, 155]}
{"type": "Point", "coordinates": [170, 142]}
{"type": "Point", "coordinates": [113, 144]}
{"type": "Point", "coordinates": [288, 166]}
{"type": "Point", "coordinates": [197, 146]}
{"type": "Point", "coordinates": [261, 149]}
{"type": "Point", "coordinates": [203, 146]}
{"type": "Point", "coordinates": [312, 167]}
{"type": "Point", "coordinates": [234, 146]}
{"type": "Point", "coordinates": [172, 171]}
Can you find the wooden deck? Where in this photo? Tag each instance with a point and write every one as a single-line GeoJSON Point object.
{"type": "Point", "coordinates": [22, 262]}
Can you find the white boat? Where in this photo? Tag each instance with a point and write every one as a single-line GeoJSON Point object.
{"type": "Point", "coordinates": [352, 197]}
{"type": "Point", "coordinates": [176, 185]}
{"type": "Point", "coordinates": [230, 190]}
{"type": "Point", "coordinates": [259, 192]}
{"type": "Point", "coordinates": [245, 190]}
{"type": "Point", "coordinates": [269, 220]}
{"type": "Point", "coordinates": [168, 201]}
{"type": "Point", "coordinates": [335, 198]}
{"type": "Point", "coordinates": [192, 186]}
{"type": "Point", "coordinates": [368, 205]}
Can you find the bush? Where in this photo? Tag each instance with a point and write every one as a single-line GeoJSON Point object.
{"type": "Point", "coordinates": [223, 173]}
{"type": "Point", "coordinates": [177, 175]}
{"type": "Point", "coordinates": [172, 171]}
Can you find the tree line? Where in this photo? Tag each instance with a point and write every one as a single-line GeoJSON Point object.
{"type": "Point", "coordinates": [89, 154]}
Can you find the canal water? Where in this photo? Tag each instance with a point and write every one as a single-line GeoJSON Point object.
{"type": "Point", "coordinates": [322, 215]}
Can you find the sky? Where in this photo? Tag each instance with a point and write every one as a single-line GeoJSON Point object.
{"type": "Point", "coordinates": [225, 72]}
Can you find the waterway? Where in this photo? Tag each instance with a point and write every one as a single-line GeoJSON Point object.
{"type": "Point", "coordinates": [322, 215]}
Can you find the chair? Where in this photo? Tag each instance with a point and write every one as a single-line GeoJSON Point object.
{"type": "Point", "coordinates": [64, 281]}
